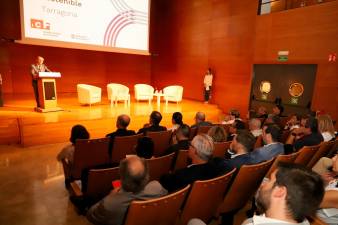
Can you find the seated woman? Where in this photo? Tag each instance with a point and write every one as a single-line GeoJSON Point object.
{"type": "Point", "coordinates": [326, 128]}
{"type": "Point", "coordinates": [218, 134]}
{"type": "Point", "coordinates": [67, 153]}
{"type": "Point", "coordinates": [177, 121]}
{"type": "Point", "coordinates": [329, 206]}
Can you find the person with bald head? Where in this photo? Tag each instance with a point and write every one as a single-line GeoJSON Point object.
{"type": "Point", "coordinates": [135, 185]}
{"type": "Point", "coordinates": [35, 69]}
{"type": "Point", "coordinates": [122, 124]}
{"type": "Point", "coordinates": [200, 120]}
{"type": "Point", "coordinates": [203, 165]}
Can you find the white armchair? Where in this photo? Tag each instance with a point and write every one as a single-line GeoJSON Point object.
{"type": "Point", "coordinates": [173, 93]}
{"type": "Point", "coordinates": [144, 92]}
{"type": "Point", "coordinates": [88, 94]}
{"type": "Point", "coordinates": [118, 92]}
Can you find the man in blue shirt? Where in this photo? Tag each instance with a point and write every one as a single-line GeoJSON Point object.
{"type": "Point", "coordinates": [272, 148]}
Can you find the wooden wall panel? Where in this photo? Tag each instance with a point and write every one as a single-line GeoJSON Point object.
{"type": "Point", "coordinates": [310, 34]}
{"type": "Point", "coordinates": [204, 33]}
{"type": "Point", "coordinates": [229, 37]}
{"type": "Point", "coordinates": [76, 66]}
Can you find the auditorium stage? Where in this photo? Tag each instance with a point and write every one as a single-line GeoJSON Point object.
{"type": "Point", "coordinates": [20, 124]}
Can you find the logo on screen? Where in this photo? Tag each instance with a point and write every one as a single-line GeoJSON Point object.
{"type": "Point", "coordinates": [40, 24]}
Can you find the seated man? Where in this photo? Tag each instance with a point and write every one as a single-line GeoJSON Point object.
{"type": "Point", "coordinates": [134, 174]}
{"type": "Point", "coordinates": [203, 167]}
{"type": "Point", "coordinates": [305, 136]}
{"type": "Point", "coordinates": [255, 127]}
{"type": "Point", "coordinates": [145, 147]}
{"type": "Point", "coordinates": [329, 205]}
{"type": "Point", "coordinates": [241, 147]}
{"type": "Point", "coordinates": [237, 126]}
{"type": "Point", "coordinates": [154, 124]}
{"type": "Point", "coordinates": [293, 122]}
{"type": "Point", "coordinates": [261, 113]}
{"type": "Point", "coordinates": [292, 194]}
{"type": "Point", "coordinates": [182, 140]}
{"type": "Point", "coordinates": [122, 123]}
{"type": "Point", "coordinates": [272, 148]}
{"type": "Point", "coordinates": [233, 115]}
{"type": "Point", "coordinates": [200, 120]}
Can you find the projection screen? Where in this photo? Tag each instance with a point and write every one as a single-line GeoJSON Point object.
{"type": "Point", "coordinates": [103, 25]}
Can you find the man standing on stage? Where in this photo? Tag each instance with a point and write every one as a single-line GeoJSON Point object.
{"type": "Point", "coordinates": [35, 69]}
{"type": "Point", "coordinates": [207, 85]}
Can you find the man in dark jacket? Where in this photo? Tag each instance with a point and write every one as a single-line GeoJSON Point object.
{"type": "Point", "coordinates": [154, 124]}
{"type": "Point", "coordinates": [122, 123]}
{"type": "Point", "coordinates": [203, 166]}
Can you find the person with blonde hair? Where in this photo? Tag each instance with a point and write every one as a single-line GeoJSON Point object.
{"type": "Point", "coordinates": [218, 134]}
{"type": "Point", "coordinates": [325, 127]}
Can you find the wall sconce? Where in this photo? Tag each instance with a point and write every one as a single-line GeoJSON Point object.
{"type": "Point", "coordinates": [265, 88]}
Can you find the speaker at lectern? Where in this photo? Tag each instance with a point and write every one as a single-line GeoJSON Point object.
{"type": "Point", "coordinates": [47, 92]}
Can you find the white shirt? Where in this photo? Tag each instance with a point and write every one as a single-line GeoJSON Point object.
{"type": "Point", "coordinates": [256, 220]}
{"type": "Point", "coordinates": [207, 81]}
{"type": "Point", "coordinates": [256, 133]}
{"type": "Point", "coordinates": [175, 127]}
{"type": "Point", "coordinates": [229, 122]}
{"type": "Point", "coordinates": [330, 215]}
{"type": "Point", "coordinates": [327, 136]}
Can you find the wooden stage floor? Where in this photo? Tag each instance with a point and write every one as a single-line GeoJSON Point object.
{"type": "Point", "coordinates": [19, 124]}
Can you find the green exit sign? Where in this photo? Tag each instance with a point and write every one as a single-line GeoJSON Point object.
{"type": "Point", "coordinates": [282, 58]}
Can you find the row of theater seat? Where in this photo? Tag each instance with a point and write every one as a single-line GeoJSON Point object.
{"type": "Point", "coordinates": [223, 194]}
{"type": "Point", "coordinates": [99, 180]}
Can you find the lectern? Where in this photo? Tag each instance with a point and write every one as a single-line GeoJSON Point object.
{"type": "Point", "coordinates": [47, 92]}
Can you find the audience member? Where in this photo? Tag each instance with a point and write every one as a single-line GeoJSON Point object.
{"type": "Point", "coordinates": [303, 120]}
{"type": "Point", "coordinates": [145, 147]}
{"type": "Point", "coordinates": [255, 127]}
{"type": "Point", "coordinates": [261, 113]}
{"type": "Point", "coordinates": [203, 166]}
{"type": "Point", "coordinates": [182, 138]}
{"type": "Point", "coordinates": [218, 134]}
{"type": "Point", "coordinates": [67, 153]}
{"type": "Point", "coordinates": [329, 205]}
{"type": "Point", "coordinates": [251, 114]}
{"type": "Point", "coordinates": [154, 124]}
{"type": "Point", "coordinates": [177, 120]}
{"type": "Point", "coordinates": [241, 147]}
{"type": "Point", "coordinates": [278, 110]}
{"type": "Point", "coordinates": [326, 128]}
{"type": "Point", "coordinates": [293, 122]}
{"type": "Point", "coordinates": [200, 120]}
{"type": "Point", "coordinates": [233, 115]}
{"type": "Point", "coordinates": [122, 123]}
{"type": "Point", "coordinates": [272, 148]}
{"type": "Point", "coordinates": [292, 194]}
{"type": "Point", "coordinates": [305, 136]}
{"type": "Point", "coordinates": [238, 125]}
{"type": "Point", "coordinates": [274, 119]}
{"type": "Point", "coordinates": [134, 174]}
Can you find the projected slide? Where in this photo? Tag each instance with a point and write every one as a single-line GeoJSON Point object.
{"type": "Point", "coordinates": [105, 23]}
